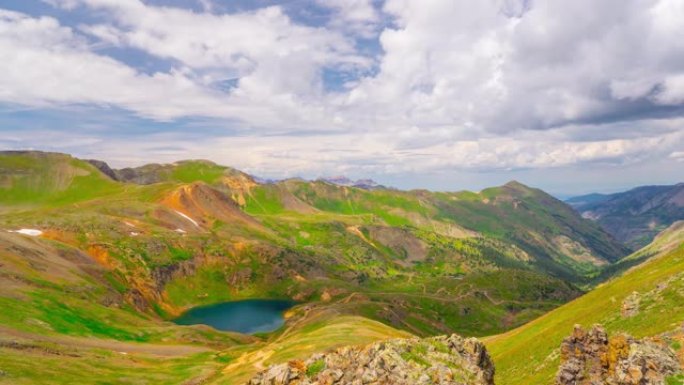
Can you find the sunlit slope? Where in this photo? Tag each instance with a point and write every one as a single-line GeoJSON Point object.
{"type": "Point", "coordinates": [316, 333]}
{"type": "Point", "coordinates": [65, 319]}
{"type": "Point", "coordinates": [36, 178]}
{"type": "Point", "coordinates": [529, 354]}
{"type": "Point", "coordinates": [556, 239]}
{"type": "Point", "coordinates": [193, 233]}
{"type": "Point", "coordinates": [562, 242]}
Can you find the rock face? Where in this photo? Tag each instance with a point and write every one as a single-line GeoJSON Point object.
{"type": "Point", "coordinates": [443, 360]}
{"type": "Point", "coordinates": [591, 358]}
{"type": "Point", "coordinates": [103, 167]}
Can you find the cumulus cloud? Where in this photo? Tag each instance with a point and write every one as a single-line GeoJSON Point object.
{"type": "Point", "coordinates": [484, 85]}
{"type": "Point", "coordinates": [552, 64]}
{"type": "Point", "coordinates": [355, 16]}
{"type": "Point", "coordinates": [47, 64]}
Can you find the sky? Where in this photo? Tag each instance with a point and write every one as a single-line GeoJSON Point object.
{"type": "Point", "coordinates": [569, 96]}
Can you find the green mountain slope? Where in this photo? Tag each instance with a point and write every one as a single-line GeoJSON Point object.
{"type": "Point", "coordinates": [562, 242]}
{"type": "Point", "coordinates": [203, 233]}
{"type": "Point", "coordinates": [36, 178]}
{"type": "Point", "coordinates": [635, 216]}
{"type": "Point", "coordinates": [111, 259]}
{"type": "Point", "coordinates": [529, 354]}
{"type": "Point", "coordinates": [556, 239]}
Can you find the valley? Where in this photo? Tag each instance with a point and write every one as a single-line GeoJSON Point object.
{"type": "Point", "coordinates": [341, 192]}
{"type": "Point", "coordinates": [95, 263]}
{"type": "Point", "coordinates": [636, 216]}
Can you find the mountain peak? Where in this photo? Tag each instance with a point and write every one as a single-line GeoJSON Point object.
{"type": "Point", "coordinates": [341, 180]}
{"type": "Point", "coordinates": [517, 185]}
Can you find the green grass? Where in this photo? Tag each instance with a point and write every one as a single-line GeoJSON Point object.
{"type": "Point", "coordinates": [525, 355]}
{"type": "Point", "coordinates": [320, 333]}
{"type": "Point", "coordinates": [51, 364]}
{"type": "Point", "coordinates": [197, 171]}
{"type": "Point", "coordinates": [675, 380]}
{"type": "Point", "coordinates": [264, 200]}
{"type": "Point", "coordinates": [315, 368]}
{"type": "Point", "coordinates": [53, 180]}
{"type": "Point", "coordinates": [478, 285]}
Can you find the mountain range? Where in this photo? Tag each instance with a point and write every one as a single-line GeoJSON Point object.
{"type": "Point", "coordinates": [636, 216]}
{"type": "Point", "coordinates": [97, 261]}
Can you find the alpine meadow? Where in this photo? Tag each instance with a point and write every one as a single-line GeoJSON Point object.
{"type": "Point", "coordinates": [342, 192]}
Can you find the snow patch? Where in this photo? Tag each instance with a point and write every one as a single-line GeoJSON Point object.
{"type": "Point", "coordinates": [187, 217]}
{"type": "Point", "coordinates": [31, 232]}
{"type": "Point", "coordinates": [180, 231]}
{"type": "Point", "coordinates": [129, 224]}
{"type": "Point", "coordinates": [134, 234]}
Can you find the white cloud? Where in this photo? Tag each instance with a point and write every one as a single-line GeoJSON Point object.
{"type": "Point", "coordinates": [677, 155]}
{"type": "Point", "coordinates": [492, 84]}
{"type": "Point", "coordinates": [243, 45]}
{"type": "Point", "coordinates": [47, 64]}
{"type": "Point", "coordinates": [470, 63]}
{"type": "Point", "coordinates": [355, 16]}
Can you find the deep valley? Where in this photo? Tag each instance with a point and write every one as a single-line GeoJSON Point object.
{"type": "Point", "coordinates": [95, 263]}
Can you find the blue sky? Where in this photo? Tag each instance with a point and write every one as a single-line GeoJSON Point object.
{"type": "Point", "coordinates": [571, 97]}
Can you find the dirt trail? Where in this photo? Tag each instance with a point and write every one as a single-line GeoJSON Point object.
{"type": "Point", "coordinates": [97, 343]}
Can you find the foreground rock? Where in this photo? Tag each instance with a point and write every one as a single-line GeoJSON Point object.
{"type": "Point", "coordinates": [441, 360]}
{"type": "Point", "coordinates": [590, 357]}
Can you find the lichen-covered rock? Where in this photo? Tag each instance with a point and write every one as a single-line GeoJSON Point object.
{"type": "Point", "coordinates": [447, 360]}
{"type": "Point", "coordinates": [630, 306]}
{"type": "Point", "coordinates": [591, 358]}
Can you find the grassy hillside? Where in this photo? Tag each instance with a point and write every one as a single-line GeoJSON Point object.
{"type": "Point", "coordinates": [557, 240]}
{"type": "Point", "coordinates": [118, 255]}
{"type": "Point", "coordinates": [194, 233]}
{"type": "Point", "coordinates": [317, 332]}
{"type": "Point", "coordinates": [35, 178]}
{"type": "Point", "coordinates": [564, 244]}
{"type": "Point", "coordinates": [529, 354]}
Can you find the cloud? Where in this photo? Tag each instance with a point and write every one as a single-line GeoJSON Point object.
{"type": "Point", "coordinates": [485, 85]}
{"type": "Point", "coordinates": [47, 64]}
{"type": "Point", "coordinates": [677, 155]}
{"type": "Point", "coordinates": [354, 16]}
{"type": "Point", "coordinates": [264, 49]}
{"type": "Point", "coordinates": [492, 65]}
{"type": "Point", "coordinates": [554, 63]}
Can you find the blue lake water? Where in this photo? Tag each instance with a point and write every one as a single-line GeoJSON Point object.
{"type": "Point", "coordinates": [248, 316]}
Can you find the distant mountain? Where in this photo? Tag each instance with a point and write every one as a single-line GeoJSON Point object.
{"type": "Point", "coordinates": [588, 199]}
{"type": "Point", "coordinates": [186, 171]}
{"type": "Point", "coordinates": [366, 184]}
{"type": "Point", "coordinates": [636, 216]}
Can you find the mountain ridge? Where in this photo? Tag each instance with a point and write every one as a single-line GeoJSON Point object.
{"type": "Point", "coordinates": [383, 262]}
{"type": "Point", "coordinates": [644, 301]}
{"type": "Point", "coordinates": [637, 215]}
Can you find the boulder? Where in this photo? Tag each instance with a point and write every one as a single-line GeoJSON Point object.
{"type": "Point", "coordinates": [446, 360]}
{"type": "Point", "coordinates": [592, 358]}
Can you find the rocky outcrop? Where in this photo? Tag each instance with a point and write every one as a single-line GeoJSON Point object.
{"type": "Point", "coordinates": [591, 358]}
{"type": "Point", "coordinates": [630, 306]}
{"type": "Point", "coordinates": [447, 360]}
{"type": "Point", "coordinates": [103, 167]}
